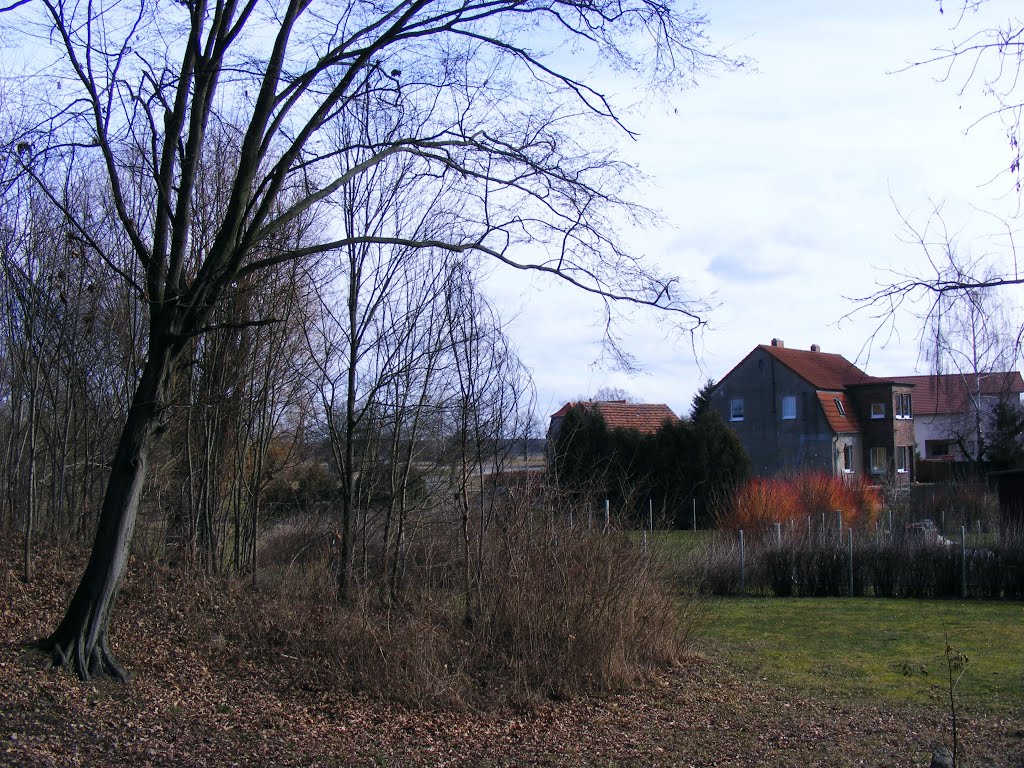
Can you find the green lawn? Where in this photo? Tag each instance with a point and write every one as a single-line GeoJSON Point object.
{"type": "Point", "coordinates": [873, 649]}
{"type": "Point", "coordinates": [677, 545]}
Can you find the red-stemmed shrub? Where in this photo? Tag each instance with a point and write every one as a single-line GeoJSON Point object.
{"type": "Point", "coordinates": [761, 502]}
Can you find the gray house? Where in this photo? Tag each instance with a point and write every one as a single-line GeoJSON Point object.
{"type": "Point", "coordinates": [807, 409]}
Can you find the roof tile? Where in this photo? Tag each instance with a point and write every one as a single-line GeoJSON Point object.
{"type": "Point", "coordinates": [645, 418]}
{"type": "Point", "coordinates": [823, 370]}
{"type": "Point", "coordinates": [951, 392]}
{"type": "Point", "coordinates": [845, 422]}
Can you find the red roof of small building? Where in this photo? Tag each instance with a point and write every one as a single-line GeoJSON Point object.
{"type": "Point", "coordinates": [951, 392]}
{"type": "Point", "coordinates": [645, 418]}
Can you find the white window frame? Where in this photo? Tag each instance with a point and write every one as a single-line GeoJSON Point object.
{"type": "Point", "coordinates": [878, 410]}
{"type": "Point", "coordinates": [839, 406]}
{"type": "Point", "coordinates": [848, 458]}
{"type": "Point", "coordinates": [902, 459]}
{"type": "Point", "coordinates": [736, 409]}
{"type": "Point", "coordinates": [878, 468]}
{"type": "Point", "coordinates": [789, 413]}
{"type": "Point", "coordinates": [904, 407]}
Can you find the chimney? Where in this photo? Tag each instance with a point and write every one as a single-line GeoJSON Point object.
{"type": "Point", "coordinates": [778, 343]}
{"type": "Point", "coordinates": [815, 348]}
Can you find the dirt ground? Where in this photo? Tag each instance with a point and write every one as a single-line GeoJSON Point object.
{"type": "Point", "coordinates": [201, 704]}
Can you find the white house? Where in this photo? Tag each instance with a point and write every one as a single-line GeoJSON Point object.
{"type": "Point", "coordinates": [949, 409]}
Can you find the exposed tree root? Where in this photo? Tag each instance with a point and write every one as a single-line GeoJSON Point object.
{"type": "Point", "coordinates": [73, 654]}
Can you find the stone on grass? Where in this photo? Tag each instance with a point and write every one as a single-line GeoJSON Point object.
{"type": "Point", "coordinates": [942, 758]}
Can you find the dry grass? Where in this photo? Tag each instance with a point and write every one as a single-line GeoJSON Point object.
{"type": "Point", "coordinates": [555, 613]}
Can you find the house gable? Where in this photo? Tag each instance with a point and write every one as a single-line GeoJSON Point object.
{"type": "Point", "coordinates": [808, 409]}
{"type": "Point", "coordinates": [775, 409]}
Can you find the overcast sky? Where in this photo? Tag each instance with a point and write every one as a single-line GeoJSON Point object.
{"type": "Point", "coordinates": [778, 186]}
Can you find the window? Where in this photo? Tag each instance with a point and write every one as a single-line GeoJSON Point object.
{"type": "Point", "coordinates": [936, 448]}
{"type": "Point", "coordinates": [878, 460]}
{"type": "Point", "coordinates": [839, 407]}
{"type": "Point", "coordinates": [847, 457]}
{"type": "Point", "coordinates": [736, 409]}
{"type": "Point", "coordinates": [902, 459]}
{"type": "Point", "coordinates": [789, 406]}
{"type": "Point", "coordinates": [878, 410]}
{"type": "Point", "coordinates": [903, 407]}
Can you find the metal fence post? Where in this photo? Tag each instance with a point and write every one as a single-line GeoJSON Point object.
{"type": "Point", "coordinates": [963, 561]}
{"type": "Point", "coordinates": [743, 582]}
{"type": "Point", "coordinates": [650, 523]}
{"type": "Point", "coordinates": [850, 549]}
{"type": "Point", "coordinates": [694, 513]}
{"type": "Point", "coordinates": [839, 526]}
{"type": "Point", "coordinates": [778, 533]}
{"type": "Point", "coordinates": [607, 516]}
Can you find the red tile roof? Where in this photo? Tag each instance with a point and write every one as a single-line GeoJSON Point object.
{"type": "Point", "coordinates": [951, 392]}
{"type": "Point", "coordinates": [841, 423]}
{"type": "Point", "coordinates": [822, 370]}
{"type": "Point", "coordinates": [645, 418]}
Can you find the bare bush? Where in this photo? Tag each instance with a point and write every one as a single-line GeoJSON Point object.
{"type": "Point", "coordinates": [568, 610]}
{"type": "Point", "coordinates": [563, 611]}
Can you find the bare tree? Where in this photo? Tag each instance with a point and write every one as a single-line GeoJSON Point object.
{"type": "Point", "coordinates": [968, 331]}
{"type": "Point", "coordinates": [968, 336]}
{"type": "Point", "coordinates": [141, 90]}
{"type": "Point", "coordinates": [988, 59]}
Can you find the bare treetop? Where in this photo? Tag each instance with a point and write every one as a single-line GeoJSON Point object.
{"type": "Point", "coordinates": [988, 58]}
{"type": "Point", "coordinates": [475, 92]}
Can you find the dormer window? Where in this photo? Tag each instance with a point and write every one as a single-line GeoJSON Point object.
{"type": "Point", "coordinates": [839, 406]}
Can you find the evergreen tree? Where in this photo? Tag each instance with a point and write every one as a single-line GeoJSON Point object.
{"type": "Point", "coordinates": [701, 402]}
{"type": "Point", "coordinates": [1004, 449]}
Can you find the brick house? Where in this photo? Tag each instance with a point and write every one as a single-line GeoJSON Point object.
{"type": "Point", "coordinates": [807, 409]}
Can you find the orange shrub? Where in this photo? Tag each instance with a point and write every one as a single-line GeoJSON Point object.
{"type": "Point", "coordinates": [762, 502]}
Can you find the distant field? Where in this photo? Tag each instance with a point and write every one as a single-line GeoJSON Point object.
{"type": "Point", "coordinates": [873, 650]}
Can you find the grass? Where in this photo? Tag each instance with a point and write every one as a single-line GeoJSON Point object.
{"type": "Point", "coordinates": [678, 545]}
{"type": "Point", "coordinates": [874, 650]}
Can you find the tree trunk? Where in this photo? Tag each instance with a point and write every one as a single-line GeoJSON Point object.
{"type": "Point", "coordinates": [80, 642]}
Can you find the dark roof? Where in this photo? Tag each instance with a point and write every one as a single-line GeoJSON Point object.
{"type": "Point", "coordinates": [618, 414]}
{"type": "Point", "coordinates": [841, 423]}
{"type": "Point", "coordinates": [822, 370]}
{"type": "Point", "coordinates": [951, 392]}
